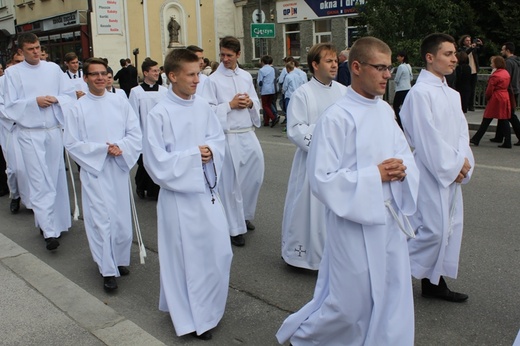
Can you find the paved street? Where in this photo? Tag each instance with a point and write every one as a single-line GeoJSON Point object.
{"type": "Point", "coordinates": [58, 286]}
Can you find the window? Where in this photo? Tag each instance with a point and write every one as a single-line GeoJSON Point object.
{"type": "Point", "coordinates": [322, 31]}
{"type": "Point", "coordinates": [354, 31]}
{"type": "Point", "coordinates": [292, 40]}
{"type": "Point", "coordinates": [257, 43]}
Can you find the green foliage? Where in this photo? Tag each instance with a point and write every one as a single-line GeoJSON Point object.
{"type": "Point", "coordinates": [402, 24]}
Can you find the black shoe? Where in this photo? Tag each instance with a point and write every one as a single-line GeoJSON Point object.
{"type": "Point", "coordinates": [15, 205]}
{"type": "Point", "coordinates": [109, 283]}
{"type": "Point", "coordinates": [517, 144]}
{"type": "Point", "coordinates": [264, 125]}
{"type": "Point", "coordinates": [441, 291]}
{"type": "Point", "coordinates": [140, 193]}
{"type": "Point", "coordinates": [4, 192]}
{"type": "Point", "coordinates": [250, 226]}
{"type": "Point", "coordinates": [123, 270]}
{"type": "Point", "coordinates": [207, 335]}
{"type": "Point", "coordinates": [52, 243]}
{"type": "Point", "coordinates": [474, 142]}
{"type": "Point", "coordinates": [275, 121]}
{"type": "Point", "coordinates": [238, 240]}
{"type": "Point", "coordinates": [505, 146]}
{"type": "Point", "coordinates": [495, 140]}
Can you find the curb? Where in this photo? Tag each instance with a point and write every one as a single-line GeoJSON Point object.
{"type": "Point", "coordinates": [74, 302]}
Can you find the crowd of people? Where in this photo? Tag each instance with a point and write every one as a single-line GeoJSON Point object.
{"type": "Point", "coordinates": [361, 207]}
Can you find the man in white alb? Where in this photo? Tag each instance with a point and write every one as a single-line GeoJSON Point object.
{"type": "Point", "coordinates": [37, 94]}
{"type": "Point", "coordinates": [232, 95]}
{"type": "Point", "coordinates": [143, 98]}
{"type": "Point", "coordinates": [183, 150]}
{"type": "Point", "coordinates": [103, 136]}
{"type": "Point", "coordinates": [303, 238]}
{"type": "Point", "coordinates": [75, 74]}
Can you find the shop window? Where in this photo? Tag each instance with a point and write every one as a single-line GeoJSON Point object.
{"type": "Point", "coordinates": [292, 40]}
{"type": "Point", "coordinates": [322, 31]}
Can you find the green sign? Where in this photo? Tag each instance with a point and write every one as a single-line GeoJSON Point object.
{"type": "Point", "coordinates": [262, 30]}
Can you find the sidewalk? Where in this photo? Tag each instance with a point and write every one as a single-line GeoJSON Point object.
{"type": "Point", "coordinates": [39, 306]}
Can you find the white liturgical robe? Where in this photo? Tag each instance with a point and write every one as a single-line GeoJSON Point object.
{"type": "Point", "coordinates": [92, 122]}
{"type": "Point", "coordinates": [436, 127]}
{"type": "Point", "coordinates": [193, 238]}
{"type": "Point", "coordinates": [303, 226]}
{"type": "Point", "coordinates": [243, 170]}
{"type": "Point", "coordinates": [363, 294]}
{"type": "Point", "coordinates": [16, 176]}
{"type": "Point", "coordinates": [143, 101]}
{"type": "Point", "coordinates": [40, 138]}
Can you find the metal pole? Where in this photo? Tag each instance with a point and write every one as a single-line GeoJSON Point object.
{"type": "Point", "coordinates": [260, 40]}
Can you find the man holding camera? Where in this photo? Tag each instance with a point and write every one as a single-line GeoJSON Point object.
{"type": "Point", "coordinates": [471, 47]}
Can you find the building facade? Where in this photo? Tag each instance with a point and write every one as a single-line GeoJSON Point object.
{"type": "Point", "coordinates": [299, 24]}
{"type": "Point", "coordinates": [62, 26]}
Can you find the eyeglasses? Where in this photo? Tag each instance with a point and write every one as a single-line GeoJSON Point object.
{"type": "Point", "coordinates": [380, 68]}
{"type": "Point", "coordinates": [95, 74]}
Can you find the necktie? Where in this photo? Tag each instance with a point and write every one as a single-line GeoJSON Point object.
{"type": "Point", "coordinates": [74, 77]}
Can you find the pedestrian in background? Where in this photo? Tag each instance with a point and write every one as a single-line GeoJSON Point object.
{"type": "Point", "coordinates": [403, 82]}
{"type": "Point", "coordinates": [498, 103]}
{"type": "Point", "coordinates": [463, 80]}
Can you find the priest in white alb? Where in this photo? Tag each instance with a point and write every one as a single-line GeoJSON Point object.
{"type": "Point", "coordinates": [361, 168]}
{"type": "Point", "coordinates": [183, 151]}
{"type": "Point", "coordinates": [103, 136]}
{"type": "Point", "coordinates": [303, 226]}
{"type": "Point", "coordinates": [36, 95]}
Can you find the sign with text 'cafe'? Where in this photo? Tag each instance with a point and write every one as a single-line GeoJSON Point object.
{"type": "Point", "coordinates": [299, 10]}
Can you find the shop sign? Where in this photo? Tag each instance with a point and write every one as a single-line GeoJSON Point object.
{"type": "Point", "coordinates": [299, 10]}
{"type": "Point", "coordinates": [108, 17]}
{"type": "Point", "coordinates": [60, 22]}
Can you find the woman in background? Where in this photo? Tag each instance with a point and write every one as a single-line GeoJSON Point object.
{"type": "Point", "coordinates": [403, 83]}
{"type": "Point", "coordinates": [498, 103]}
{"type": "Point", "coordinates": [463, 80]}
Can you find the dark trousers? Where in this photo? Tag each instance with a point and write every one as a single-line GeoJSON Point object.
{"type": "Point", "coordinates": [267, 103]}
{"type": "Point", "coordinates": [398, 102]}
{"type": "Point", "coordinates": [3, 175]}
{"type": "Point", "coordinates": [502, 126]}
{"type": "Point", "coordinates": [499, 136]}
{"type": "Point", "coordinates": [473, 86]}
{"type": "Point", "coordinates": [143, 182]}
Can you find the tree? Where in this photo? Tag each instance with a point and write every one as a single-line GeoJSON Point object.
{"type": "Point", "coordinates": [402, 24]}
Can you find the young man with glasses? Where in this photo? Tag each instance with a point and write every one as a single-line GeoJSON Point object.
{"type": "Point", "coordinates": [36, 96]}
{"type": "Point", "coordinates": [361, 168]}
{"type": "Point", "coordinates": [103, 136]}
{"type": "Point", "coordinates": [436, 128]}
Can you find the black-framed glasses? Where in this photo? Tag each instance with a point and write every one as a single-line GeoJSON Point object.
{"type": "Point", "coordinates": [380, 68]}
{"type": "Point", "coordinates": [95, 74]}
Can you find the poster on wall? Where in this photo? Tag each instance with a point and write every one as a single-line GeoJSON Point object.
{"type": "Point", "coordinates": [108, 17]}
{"type": "Point", "coordinates": [298, 10]}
